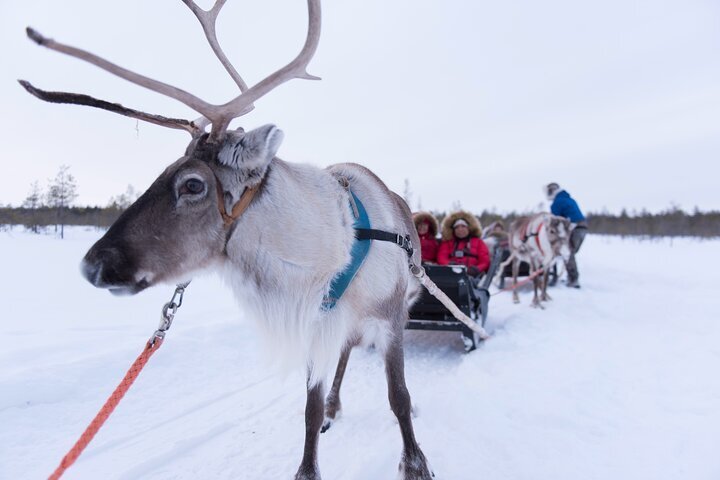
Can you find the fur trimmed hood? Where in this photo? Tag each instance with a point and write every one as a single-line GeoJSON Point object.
{"type": "Point", "coordinates": [473, 224]}
{"type": "Point", "coordinates": [428, 217]}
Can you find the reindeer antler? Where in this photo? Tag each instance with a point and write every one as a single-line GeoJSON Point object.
{"type": "Point", "coordinates": [207, 21]}
{"type": "Point", "coordinates": [219, 116]}
{"type": "Point", "coordinates": [295, 69]}
{"type": "Point", "coordinates": [81, 99]}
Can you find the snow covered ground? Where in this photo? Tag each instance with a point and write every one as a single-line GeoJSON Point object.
{"type": "Point", "coordinates": [619, 380]}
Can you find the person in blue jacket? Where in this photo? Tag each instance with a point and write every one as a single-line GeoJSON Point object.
{"type": "Point", "coordinates": [563, 205]}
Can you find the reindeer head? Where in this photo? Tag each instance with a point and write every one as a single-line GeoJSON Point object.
{"type": "Point", "coordinates": [559, 236]}
{"type": "Point", "coordinates": [180, 225]}
{"type": "Point", "coordinates": [183, 221]}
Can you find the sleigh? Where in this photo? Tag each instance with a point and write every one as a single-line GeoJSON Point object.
{"type": "Point", "coordinates": [472, 298]}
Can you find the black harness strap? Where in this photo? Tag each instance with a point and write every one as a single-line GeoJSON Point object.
{"type": "Point", "coordinates": [396, 238]}
{"type": "Point", "coordinates": [466, 251]}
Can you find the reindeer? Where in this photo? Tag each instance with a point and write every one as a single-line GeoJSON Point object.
{"type": "Point", "coordinates": [209, 211]}
{"type": "Point", "coordinates": [539, 240]}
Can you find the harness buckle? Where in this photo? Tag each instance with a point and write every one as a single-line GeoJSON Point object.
{"type": "Point", "coordinates": [406, 244]}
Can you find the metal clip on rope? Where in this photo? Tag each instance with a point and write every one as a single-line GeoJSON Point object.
{"type": "Point", "coordinates": [168, 314]}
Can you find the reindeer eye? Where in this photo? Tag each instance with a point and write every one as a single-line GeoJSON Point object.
{"type": "Point", "coordinates": [192, 186]}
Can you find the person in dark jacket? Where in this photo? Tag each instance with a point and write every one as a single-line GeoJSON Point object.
{"type": "Point", "coordinates": [427, 227]}
{"type": "Point", "coordinates": [461, 244]}
{"type": "Point", "coordinates": [563, 205]}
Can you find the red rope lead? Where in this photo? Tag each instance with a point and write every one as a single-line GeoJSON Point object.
{"type": "Point", "coordinates": [520, 284]}
{"type": "Point", "coordinates": [112, 402]}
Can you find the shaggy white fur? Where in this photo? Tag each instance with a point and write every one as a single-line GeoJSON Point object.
{"type": "Point", "coordinates": [289, 245]}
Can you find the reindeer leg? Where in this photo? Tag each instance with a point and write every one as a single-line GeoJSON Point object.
{"type": "Point", "coordinates": [545, 297]}
{"type": "Point", "coordinates": [314, 407]}
{"type": "Point", "coordinates": [536, 299]}
{"type": "Point", "coordinates": [332, 403]}
{"type": "Point", "coordinates": [413, 464]}
{"type": "Point", "coordinates": [536, 285]}
{"type": "Point", "coordinates": [515, 272]}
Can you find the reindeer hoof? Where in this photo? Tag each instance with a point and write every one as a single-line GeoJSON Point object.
{"type": "Point", "coordinates": [417, 468]}
{"type": "Point", "coordinates": [307, 476]}
{"type": "Point", "coordinates": [332, 413]}
{"type": "Point", "coordinates": [326, 425]}
{"type": "Point", "coordinates": [308, 471]}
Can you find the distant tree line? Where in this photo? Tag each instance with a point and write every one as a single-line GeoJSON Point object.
{"type": "Point", "coordinates": [673, 222]}
{"type": "Point", "coordinates": [39, 219]}
{"type": "Point", "coordinates": [53, 208]}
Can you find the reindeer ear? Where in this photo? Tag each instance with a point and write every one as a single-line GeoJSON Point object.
{"type": "Point", "coordinates": [250, 153]}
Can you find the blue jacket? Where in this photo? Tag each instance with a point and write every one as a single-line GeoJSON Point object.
{"type": "Point", "coordinates": [565, 206]}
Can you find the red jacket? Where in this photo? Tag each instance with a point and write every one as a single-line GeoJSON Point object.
{"type": "Point", "coordinates": [428, 248]}
{"type": "Point", "coordinates": [471, 252]}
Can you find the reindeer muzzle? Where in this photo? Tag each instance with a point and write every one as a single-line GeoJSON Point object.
{"type": "Point", "coordinates": [108, 268]}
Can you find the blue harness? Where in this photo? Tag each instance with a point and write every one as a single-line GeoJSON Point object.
{"type": "Point", "coordinates": [358, 252]}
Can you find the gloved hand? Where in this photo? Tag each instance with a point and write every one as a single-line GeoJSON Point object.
{"type": "Point", "coordinates": [473, 271]}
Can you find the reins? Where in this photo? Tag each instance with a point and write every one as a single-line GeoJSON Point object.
{"type": "Point", "coordinates": [527, 280]}
{"type": "Point", "coordinates": [152, 346]}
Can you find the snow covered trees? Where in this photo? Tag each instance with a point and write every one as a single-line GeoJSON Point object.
{"type": "Point", "coordinates": [62, 191]}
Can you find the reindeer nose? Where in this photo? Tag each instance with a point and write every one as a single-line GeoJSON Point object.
{"type": "Point", "coordinates": [90, 270]}
{"type": "Point", "coordinates": [97, 263]}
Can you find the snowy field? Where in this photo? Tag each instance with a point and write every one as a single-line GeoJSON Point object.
{"type": "Point", "coordinates": [619, 380]}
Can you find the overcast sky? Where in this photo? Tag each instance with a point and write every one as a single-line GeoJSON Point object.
{"type": "Point", "coordinates": [474, 102]}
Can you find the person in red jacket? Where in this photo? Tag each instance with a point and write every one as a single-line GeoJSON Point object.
{"type": "Point", "coordinates": [427, 227]}
{"type": "Point", "coordinates": [462, 245]}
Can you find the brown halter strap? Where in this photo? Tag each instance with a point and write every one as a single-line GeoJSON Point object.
{"type": "Point", "coordinates": [241, 205]}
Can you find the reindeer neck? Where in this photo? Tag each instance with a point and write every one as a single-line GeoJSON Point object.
{"type": "Point", "coordinates": [298, 222]}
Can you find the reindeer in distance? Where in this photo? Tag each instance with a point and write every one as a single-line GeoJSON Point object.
{"type": "Point", "coordinates": [540, 240]}
{"type": "Point", "coordinates": [209, 209]}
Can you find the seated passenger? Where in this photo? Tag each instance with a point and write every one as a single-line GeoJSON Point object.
{"type": "Point", "coordinates": [427, 228]}
{"type": "Point", "coordinates": [461, 244]}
